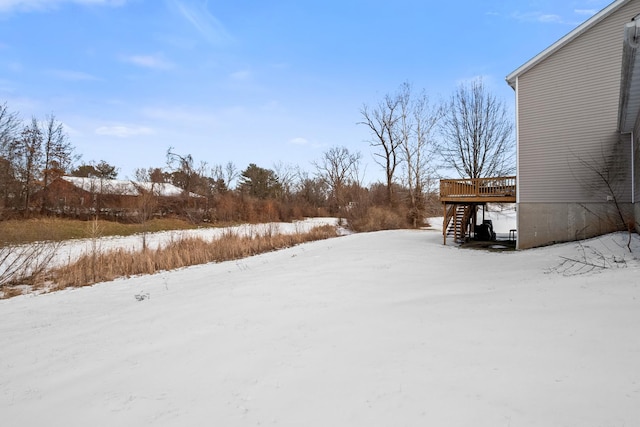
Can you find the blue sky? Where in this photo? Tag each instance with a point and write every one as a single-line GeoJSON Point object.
{"type": "Point", "coordinates": [253, 81]}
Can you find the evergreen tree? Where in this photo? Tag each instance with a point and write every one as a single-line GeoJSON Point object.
{"type": "Point", "coordinates": [259, 182]}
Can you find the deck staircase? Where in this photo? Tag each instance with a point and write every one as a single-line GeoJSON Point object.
{"type": "Point", "coordinates": [461, 198]}
{"type": "Point", "coordinates": [457, 222]}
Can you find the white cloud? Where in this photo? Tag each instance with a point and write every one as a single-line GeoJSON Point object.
{"type": "Point", "coordinates": [538, 16]}
{"type": "Point", "coordinates": [207, 25]}
{"type": "Point", "coordinates": [180, 114]}
{"type": "Point", "coordinates": [149, 61]}
{"type": "Point", "coordinates": [299, 141]}
{"type": "Point", "coordinates": [550, 18]}
{"type": "Point", "coordinates": [545, 18]}
{"type": "Point", "coordinates": [587, 12]}
{"type": "Point", "coordinates": [122, 131]}
{"type": "Point", "coordinates": [241, 75]}
{"type": "Point", "coordinates": [71, 131]}
{"type": "Point", "coordinates": [486, 79]}
{"type": "Point", "coordinates": [72, 75]}
{"type": "Point", "coordinates": [43, 5]}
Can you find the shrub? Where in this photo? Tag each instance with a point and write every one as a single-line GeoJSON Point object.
{"type": "Point", "coordinates": [375, 218]}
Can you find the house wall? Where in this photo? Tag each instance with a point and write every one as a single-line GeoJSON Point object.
{"type": "Point", "coordinates": [542, 224]}
{"type": "Point", "coordinates": [567, 137]}
{"type": "Point", "coordinates": [636, 173]}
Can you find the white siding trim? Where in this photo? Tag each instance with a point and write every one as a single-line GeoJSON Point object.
{"type": "Point", "coordinates": [517, 94]}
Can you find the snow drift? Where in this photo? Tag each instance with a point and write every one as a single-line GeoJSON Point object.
{"type": "Point", "coordinates": [377, 329]}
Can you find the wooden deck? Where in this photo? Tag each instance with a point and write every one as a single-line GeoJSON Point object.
{"type": "Point", "coordinates": [461, 198]}
{"type": "Point", "coordinates": [478, 190]}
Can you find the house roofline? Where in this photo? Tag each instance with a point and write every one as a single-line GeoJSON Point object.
{"type": "Point", "coordinates": [580, 29]}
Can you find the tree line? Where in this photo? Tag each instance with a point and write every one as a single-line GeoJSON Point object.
{"type": "Point", "coordinates": [32, 154]}
{"type": "Point", "coordinates": [411, 139]}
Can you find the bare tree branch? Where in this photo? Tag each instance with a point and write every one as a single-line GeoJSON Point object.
{"type": "Point", "coordinates": [418, 119]}
{"type": "Point", "coordinates": [382, 121]}
{"type": "Point", "coordinates": [477, 133]}
{"type": "Point", "coordinates": [338, 168]}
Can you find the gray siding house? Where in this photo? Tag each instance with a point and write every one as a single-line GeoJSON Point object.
{"type": "Point", "coordinates": [578, 127]}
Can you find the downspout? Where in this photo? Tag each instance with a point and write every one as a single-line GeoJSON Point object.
{"type": "Point", "coordinates": [633, 170]}
{"type": "Point", "coordinates": [630, 47]}
{"type": "Point", "coordinates": [515, 85]}
{"type": "Point", "coordinates": [633, 42]}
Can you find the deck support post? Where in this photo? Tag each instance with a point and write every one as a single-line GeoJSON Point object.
{"type": "Point", "coordinates": [444, 224]}
{"type": "Point", "coordinates": [455, 225]}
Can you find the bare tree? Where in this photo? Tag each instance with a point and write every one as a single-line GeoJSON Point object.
{"type": "Point", "coordinates": [418, 119]}
{"type": "Point", "coordinates": [57, 153]}
{"type": "Point", "coordinates": [183, 171]}
{"type": "Point", "coordinates": [151, 174]}
{"type": "Point", "coordinates": [57, 150]}
{"type": "Point", "coordinates": [311, 191]}
{"type": "Point", "coordinates": [231, 174]}
{"type": "Point", "coordinates": [219, 180]}
{"type": "Point", "coordinates": [605, 179]}
{"type": "Point", "coordinates": [224, 176]}
{"type": "Point", "coordinates": [338, 168]}
{"type": "Point", "coordinates": [382, 121]}
{"type": "Point", "coordinates": [33, 157]}
{"type": "Point", "coordinates": [477, 133]}
{"type": "Point", "coordinates": [27, 154]}
{"type": "Point", "coordinates": [287, 174]}
{"type": "Point", "coordinates": [147, 199]}
{"type": "Point", "coordinates": [9, 129]}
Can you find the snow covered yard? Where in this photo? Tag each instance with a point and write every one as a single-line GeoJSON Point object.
{"type": "Point", "coordinates": [378, 329]}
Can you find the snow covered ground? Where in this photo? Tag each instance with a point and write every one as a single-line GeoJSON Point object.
{"type": "Point", "coordinates": [374, 329]}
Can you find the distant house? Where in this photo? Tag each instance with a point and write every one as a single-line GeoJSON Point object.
{"type": "Point", "coordinates": [578, 131]}
{"type": "Point", "coordinates": [82, 196]}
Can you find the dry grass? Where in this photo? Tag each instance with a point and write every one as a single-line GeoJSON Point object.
{"type": "Point", "coordinates": [376, 218]}
{"type": "Point", "coordinates": [105, 266]}
{"type": "Point", "coordinates": [25, 265]}
{"type": "Point", "coordinates": [11, 291]}
{"type": "Point", "coordinates": [16, 232]}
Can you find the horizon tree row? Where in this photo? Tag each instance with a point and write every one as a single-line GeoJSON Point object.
{"type": "Point", "coordinates": [412, 139]}
{"type": "Point", "coordinates": [34, 153]}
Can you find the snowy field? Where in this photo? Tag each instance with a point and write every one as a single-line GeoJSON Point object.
{"type": "Point", "coordinates": [374, 329]}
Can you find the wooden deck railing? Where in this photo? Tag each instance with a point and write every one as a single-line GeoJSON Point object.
{"type": "Point", "coordinates": [478, 189]}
